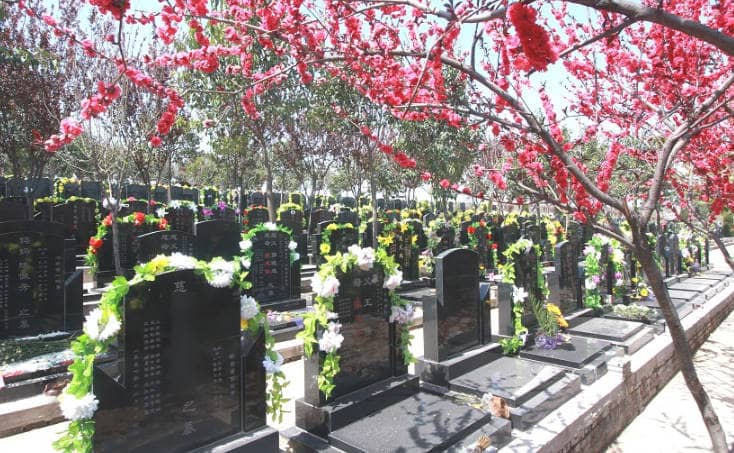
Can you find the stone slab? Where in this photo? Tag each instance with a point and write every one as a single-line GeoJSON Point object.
{"type": "Point", "coordinates": [510, 378]}
{"type": "Point", "coordinates": [576, 353]}
{"type": "Point", "coordinates": [417, 295]}
{"type": "Point", "coordinates": [678, 294]}
{"type": "Point", "coordinates": [688, 285]}
{"type": "Point", "coordinates": [421, 423]}
{"type": "Point", "coordinates": [607, 329]}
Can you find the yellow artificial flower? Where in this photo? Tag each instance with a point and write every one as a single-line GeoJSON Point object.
{"type": "Point", "coordinates": [385, 240]}
{"type": "Point", "coordinates": [644, 292]}
{"type": "Point", "coordinates": [243, 324]}
{"type": "Point", "coordinates": [159, 263]}
{"type": "Point", "coordinates": [414, 239]}
{"type": "Point", "coordinates": [403, 227]}
{"type": "Point", "coordinates": [553, 309]}
{"type": "Point", "coordinates": [332, 227]}
{"type": "Point", "coordinates": [562, 323]}
{"type": "Point", "coordinates": [635, 279]}
{"type": "Point", "coordinates": [348, 225]}
{"type": "Point", "coordinates": [325, 248]}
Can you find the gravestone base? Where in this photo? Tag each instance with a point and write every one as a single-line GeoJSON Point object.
{"type": "Point", "coordinates": [263, 440]}
{"type": "Point", "coordinates": [407, 285]}
{"type": "Point", "coordinates": [416, 295]}
{"type": "Point", "coordinates": [628, 335]}
{"type": "Point", "coordinates": [441, 373]}
{"type": "Point", "coordinates": [285, 305]}
{"type": "Point", "coordinates": [532, 390]}
{"type": "Point", "coordinates": [682, 306]}
{"type": "Point", "coordinates": [586, 357]}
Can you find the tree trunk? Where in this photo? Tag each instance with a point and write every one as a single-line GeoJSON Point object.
{"type": "Point", "coordinates": [724, 251]}
{"type": "Point", "coordinates": [683, 351]}
{"type": "Point", "coordinates": [269, 186]}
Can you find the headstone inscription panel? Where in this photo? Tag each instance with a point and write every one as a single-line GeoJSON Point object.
{"type": "Point", "coordinates": [181, 219]}
{"type": "Point", "coordinates": [79, 219]}
{"type": "Point", "coordinates": [31, 278]}
{"type": "Point", "coordinates": [255, 217]}
{"type": "Point", "coordinates": [568, 294]}
{"type": "Point", "coordinates": [270, 269]}
{"type": "Point", "coordinates": [137, 191]}
{"type": "Point", "coordinates": [452, 319]}
{"type": "Point", "coordinates": [369, 352]}
{"type": "Point", "coordinates": [92, 189]}
{"type": "Point", "coordinates": [176, 385]}
{"type": "Point", "coordinates": [13, 208]}
{"type": "Point", "coordinates": [217, 238]}
{"type": "Point", "coordinates": [149, 245]}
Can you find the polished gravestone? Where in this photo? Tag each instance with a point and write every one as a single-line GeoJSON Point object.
{"type": "Point", "coordinates": [586, 357]}
{"type": "Point", "coordinates": [181, 219]}
{"type": "Point", "coordinates": [275, 280]}
{"type": "Point", "coordinates": [149, 245]}
{"type": "Point", "coordinates": [91, 189]}
{"type": "Point", "coordinates": [32, 277]}
{"type": "Point", "coordinates": [629, 335]}
{"type": "Point", "coordinates": [373, 392]}
{"type": "Point", "coordinates": [137, 191]}
{"type": "Point", "coordinates": [79, 218]}
{"type": "Point", "coordinates": [217, 238]}
{"type": "Point", "coordinates": [691, 286]}
{"type": "Point", "coordinates": [13, 208]}
{"type": "Point", "coordinates": [184, 377]}
{"type": "Point", "coordinates": [256, 216]}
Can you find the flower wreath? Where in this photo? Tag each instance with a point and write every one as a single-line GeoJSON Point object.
{"type": "Point", "coordinates": [77, 402]}
{"type": "Point", "coordinates": [390, 230]}
{"type": "Point", "coordinates": [325, 247]}
{"type": "Point", "coordinates": [689, 245]}
{"type": "Point", "coordinates": [246, 243]}
{"type": "Point", "coordinates": [594, 269]}
{"type": "Point", "coordinates": [61, 185]}
{"type": "Point", "coordinates": [549, 316]}
{"type": "Point", "coordinates": [291, 197]}
{"type": "Point", "coordinates": [53, 200]}
{"type": "Point", "coordinates": [554, 231]}
{"type": "Point", "coordinates": [96, 241]}
{"type": "Point", "coordinates": [474, 241]}
{"type": "Point", "coordinates": [326, 287]}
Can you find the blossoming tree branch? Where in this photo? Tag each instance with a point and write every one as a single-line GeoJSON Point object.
{"type": "Point", "coordinates": [650, 83]}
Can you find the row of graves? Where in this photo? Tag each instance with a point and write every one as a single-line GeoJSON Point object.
{"type": "Point", "coordinates": [179, 356]}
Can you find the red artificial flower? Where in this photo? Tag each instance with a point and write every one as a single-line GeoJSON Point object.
{"type": "Point", "coordinates": [489, 236]}
{"type": "Point", "coordinates": [482, 223]}
{"type": "Point", "coordinates": [494, 246]}
{"type": "Point", "coordinates": [138, 218]}
{"type": "Point", "coordinates": [444, 183]}
{"type": "Point", "coordinates": [471, 230]}
{"type": "Point", "coordinates": [92, 250]}
{"type": "Point", "coordinates": [95, 243]}
{"type": "Point", "coordinates": [131, 199]}
{"type": "Point", "coordinates": [163, 224]}
{"type": "Point", "coordinates": [107, 220]}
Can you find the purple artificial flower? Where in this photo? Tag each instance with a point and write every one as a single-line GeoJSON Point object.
{"type": "Point", "coordinates": [222, 205]}
{"type": "Point", "coordinates": [596, 279]}
{"type": "Point", "coordinates": [207, 212]}
{"type": "Point", "coordinates": [617, 275]}
{"type": "Point", "coordinates": [299, 322]}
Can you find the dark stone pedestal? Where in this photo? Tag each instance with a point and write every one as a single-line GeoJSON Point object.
{"type": "Point", "coordinates": [441, 373]}
{"type": "Point", "coordinates": [416, 295]}
{"type": "Point", "coordinates": [532, 390]}
{"type": "Point", "coordinates": [407, 285]}
{"type": "Point", "coordinates": [285, 305]}
{"type": "Point", "coordinates": [586, 357]}
{"type": "Point", "coordinates": [629, 335]}
{"type": "Point", "coordinates": [263, 440]}
{"type": "Point", "coordinates": [392, 415]}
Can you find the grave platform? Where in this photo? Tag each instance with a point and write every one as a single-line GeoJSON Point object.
{"type": "Point", "coordinates": [408, 285]}
{"type": "Point", "coordinates": [628, 335]}
{"type": "Point", "coordinates": [586, 357]}
{"type": "Point", "coordinates": [285, 304]}
{"type": "Point", "coordinates": [531, 389]}
{"type": "Point", "coordinates": [263, 440]}
{"type": "Point", "coordinates": [394, 415]}
{"type": "Point", "coordinates": [417, 295]}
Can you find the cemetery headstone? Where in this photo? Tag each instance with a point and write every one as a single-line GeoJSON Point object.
{"type": "Point", "coordinates": [347, 216]}
{"type": "Point", "coordinates": [91, 189]}
{"type": "Point", "coordinates": [79, 219]}
{"type": "Point", "coordinates": [217, 238]}
{"type": "Point", "coordinates": [137, 191]}
{"type": "Point", "coordinates": [180, 219]}
{"type": "Point", "coordinates": [160, 194]}
{"type": "Point", "coordinates": [272, 273]}
{"type": "Point", "coordinates": [349, 202]}
{"type": "Point", "coordinates": [210, 197]}
{"type": "Point", "coordinates": [184, 378]}
{"type": "Point", "coordinates": [149, 245]}
{"type": "Point", "coordinates": [257, 199]}
{"type": "Point", "coordinates": [13, 208]}
{"type": "Point", "coordinates": [255, 217]}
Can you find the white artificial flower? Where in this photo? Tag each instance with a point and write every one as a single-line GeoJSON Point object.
{"type": "Point", "coordinates": [617, 256]}
{"type": "Point", "coordinates": [394, 280]}
{"type": "Point", "coordinates": [401, 315]}
{"type": "Point", "coordinates": [273, 366]}
{"type": "Point", "coordinates": [245, 245]}
{"type": "Point", "coordinates": [365, 258]}
{"type": "Point", "coordinates": [98, 332]}
{"type": "Point", "coordinates": [175, 204]}
{"type": "Point", "coordinates": [331, 315]}
{"type": "Point", "coordinates": [270, 226]}
{"type": "Point", "coordinates": [325, 288]}
{"type": "Point", "coordinates": [292, 246]}
{"type": "Point", "coordinates": [518, 294]}
{"type": "Point", "coordinates": [109, 203]}
{"type": "Point", "coordinates": [222, 272]}
{"type": "Point", "coordinates": [523, 337]}
{"type": "Point", "coordinates": [685, 253]}
{"type": "Point", "coordinates": [331, 339]}
{"type": "Point", "coordinates": [295, 256]}
{"type": "Point", "coordinates": [245, 262]}
{"type": "Point", "coordinates": [180, 261]}
{"type": "Point", "coordinates": [589, 249]}
{"type": "Point", "coordinates": [603, 239]}
{"type": "Point", "coordinates": [160, 212]}
{"type": "Point", "coordinates": [248, 307]}
{"type": "Point", "coordinates": [589, 283]}
{"type": "Point", "coordinates": [75, 408]}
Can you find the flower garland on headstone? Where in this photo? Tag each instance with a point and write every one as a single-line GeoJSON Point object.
{"type": "Point", "coordinates": [77, 402]}
{"type": "Point", "coordinates": [390, 230]}
{"type": "Point", "coordinates": [246, 243]}
{"type": "Point", "coordinates": [555, 233]}
{"type": "Point", "coordinates": [471, 232]}
{"type": "Point", "coordinates": [549, 316]}
{"type": "Point", "coordinates": [324, 320]}
{"type": "Point", "coordinates": [594, 269]}
{"type": "Point", "coordinates": [291, 207]}
{"type": "Point", "coordinates": [96, 241]}
{"type": "Point", "coordinates": [325, 247]}
{"type": "Point", "coordinates": [246, 215]}
{"type": "Point", "coordinates": [689, 245]}
{"type": "Point", "coordinates": [61, 185]}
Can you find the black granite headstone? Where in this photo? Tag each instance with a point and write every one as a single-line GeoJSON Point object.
{"type": "Point", "coordinates": [217, 238]}
{"type": "Point", "coordinates": [181, 219]}
{"type": "Point", "coordinates": [91, 189]}
{"type": "Point", "coordinates": [79, 218]}
{"type": "Point", "coordinates": [255, 217]}
{"type": "Point", "coordinates": [270, 267]}
{"type": "Point", "coordinates": [177, 383]}
{"type": "Point", "coordinates": [13, 208]}
{"type": "Point", "coordinates": [256, 199]}
{"type": "Point", "coordinates": [137, 191]}
{"type": "Point", "coordinates": [148, 245]}
{"type": "Point", "coordinates": [452, 321]}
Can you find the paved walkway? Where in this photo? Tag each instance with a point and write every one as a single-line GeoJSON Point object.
{"type": "Point", "coordinates": [671, 422]}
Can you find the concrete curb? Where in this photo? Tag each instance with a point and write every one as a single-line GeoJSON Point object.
{"type": "Point", "coordinates": [593, 419]}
